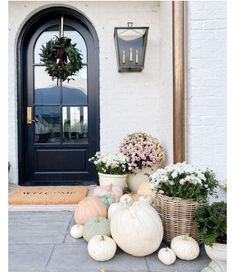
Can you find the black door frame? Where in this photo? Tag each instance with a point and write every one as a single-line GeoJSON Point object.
{"type": "Point", "coordinates": [29, 26]}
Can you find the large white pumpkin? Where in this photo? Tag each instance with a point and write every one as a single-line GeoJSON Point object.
{"type": "Point", "coordinates": [113, 208]}
{"type": "Point", "coordinates": [137, 229]}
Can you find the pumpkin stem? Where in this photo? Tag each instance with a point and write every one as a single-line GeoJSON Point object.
{"type": "Point", "coordinates": [110, 188]}
{"type": "Point", "coordinates": [186, 236]}
{"type": "Point", "coordinates": [102, 237]}
{"type": "Point", "coordinates": [97, 220]}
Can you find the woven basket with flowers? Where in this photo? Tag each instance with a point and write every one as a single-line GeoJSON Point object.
{"type": "Point", "coordinates": [179, 190]}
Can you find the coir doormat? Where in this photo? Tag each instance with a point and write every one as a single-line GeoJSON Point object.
{"type": "Point", "coordinates": [44, 195]}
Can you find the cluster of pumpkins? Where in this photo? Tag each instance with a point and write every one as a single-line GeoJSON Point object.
{"type": "Point", "coordinates": [108, 219]}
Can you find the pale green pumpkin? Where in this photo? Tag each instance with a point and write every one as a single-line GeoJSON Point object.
{"type": "Point", "coordinates": [96, 226]}
{"type": "Point", "coordinates": [108, 199]}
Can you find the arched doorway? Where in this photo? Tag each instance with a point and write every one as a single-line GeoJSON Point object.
{"type": "Point", "coordinates": [54, 149]}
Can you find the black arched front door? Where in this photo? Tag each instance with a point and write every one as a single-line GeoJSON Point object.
{"type": "Point", "coordinates": [54, 148]}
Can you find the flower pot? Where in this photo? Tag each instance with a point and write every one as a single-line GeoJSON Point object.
{"type": "Point", "coordinates": [134, 180]}
{"type": "Point", "coordinates": [116, 180]}
{"type": "Point", "coordinates": [217, 252]}
{"type": "Point", "coordinates": [177, 216]}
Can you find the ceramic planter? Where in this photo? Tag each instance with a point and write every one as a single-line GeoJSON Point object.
{"type": "Point", "coordinates": [217, 252]}
{"type": "Point", "coordinates": [134, 180]}
{"type": "Point", "coordinates": [116, 180]}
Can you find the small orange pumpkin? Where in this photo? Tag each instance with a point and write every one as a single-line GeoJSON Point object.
{"type": "Point", "coordinates": [89, 207]}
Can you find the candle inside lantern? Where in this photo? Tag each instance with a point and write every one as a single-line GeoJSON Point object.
{"type": "Point", "coordinates": [131, 57]}
{"type": "Point", "coordinates": [123, 56]}
{"type": "Point", "coordinates": [136, 56]}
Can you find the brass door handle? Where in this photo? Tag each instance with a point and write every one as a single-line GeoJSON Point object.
{"type": "Point", "coordinates": [29, 115]}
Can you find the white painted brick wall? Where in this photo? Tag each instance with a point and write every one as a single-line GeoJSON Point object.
{"type": "Point", "coordinates": [206, 85]}
{"type": "Point", "coordinates": [129, 102]}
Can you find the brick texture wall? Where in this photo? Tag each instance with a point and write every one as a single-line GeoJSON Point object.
{"type": "Point", "coordinates": [206, 85]}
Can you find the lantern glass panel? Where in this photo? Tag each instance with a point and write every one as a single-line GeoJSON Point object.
{"type": "Point", "coordinates": [130, 46]}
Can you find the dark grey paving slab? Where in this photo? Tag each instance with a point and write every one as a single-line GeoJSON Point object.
{"type": "Point", "coordinates": [38, 227]}
{"type": "Point", "coordinates": [75, 258]}
{"type": "Point", "coordinates": [29, 258]}
{"type": "Point", "coordinates": [196, 265]}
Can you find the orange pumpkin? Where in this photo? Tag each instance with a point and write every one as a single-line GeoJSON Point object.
{"type": "Point", "coordinates": [89, 207]}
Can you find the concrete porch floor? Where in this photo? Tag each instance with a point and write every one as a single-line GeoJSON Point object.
{"type": "Point", "coordinates": [39, 241]}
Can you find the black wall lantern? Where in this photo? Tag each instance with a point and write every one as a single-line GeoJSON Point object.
{"type": "Point", "coordinates": [130, 45]}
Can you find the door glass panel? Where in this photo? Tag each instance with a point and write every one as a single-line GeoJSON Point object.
{"type": "Point", "coordinates": [43, 39]}
{"type": "Point", "coordinates": [75, 124]}
{"type": "Point", "coordinates": [45, 89]}
{"type": "Point", "coordinates": [78, 39]}
{"type": "Point", "coordinates": [47, 124]}
{"type": "Point", "coordinates": [75, 91]}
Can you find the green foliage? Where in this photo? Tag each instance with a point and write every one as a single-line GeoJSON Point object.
{"type": "Point", "coordinates": [61, 58]}
{"type": "Point", "coordinates": [212, 223]}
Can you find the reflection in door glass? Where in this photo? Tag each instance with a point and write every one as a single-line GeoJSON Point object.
{"type": "Point", "coordinates": [75, 124]}
{"type": "Point", "coordinates": [47, 35]}
{"type": "Point", "coordinates": [75, 91]}
{"type": "Point", "coordinates": [75, 37]}
{"type": "Point", "coordinates": [47, 124]}
{"type": "Point", "coordinates": [46, 91]}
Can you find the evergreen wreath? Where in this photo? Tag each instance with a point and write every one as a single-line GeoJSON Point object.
{"type": "Point", "coordinates": [61, 58]}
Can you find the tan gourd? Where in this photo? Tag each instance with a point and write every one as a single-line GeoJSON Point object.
{"type": "Point", "coordinates": [145, 189]}
{"type": "Point", "coordinates": [89, 207]}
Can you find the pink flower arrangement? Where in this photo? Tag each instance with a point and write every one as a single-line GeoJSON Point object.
{"type": "Point", "coordinates": [143, 151]}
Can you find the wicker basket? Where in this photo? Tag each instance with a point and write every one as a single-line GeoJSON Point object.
{"type": "Point", "coordinates": [177, 216]}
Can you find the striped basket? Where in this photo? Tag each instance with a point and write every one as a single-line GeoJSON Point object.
{"type": "Point", "coordinates": [177, 216]}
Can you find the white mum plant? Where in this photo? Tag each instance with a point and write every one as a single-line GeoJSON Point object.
{"type": "Point", "coordinates": [110, 163]}
{"type": "Point", "coordinates": [185, 181]}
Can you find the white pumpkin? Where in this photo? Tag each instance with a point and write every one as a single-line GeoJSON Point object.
{"type": "Point", "coordinates": [215, 266]}
{"type": "Point", "coordinates": [113, 208]}
{"type": "Point", "coordinates": [166, 256]}
{"type": "Point", "coordinates": [185, 247]}
{"type": "Point", "coordinates": [101, 248]}
{"type": "Point", "coordinates": [76, 231]}
{"type": "Point", "coordinates": [137, 229]}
